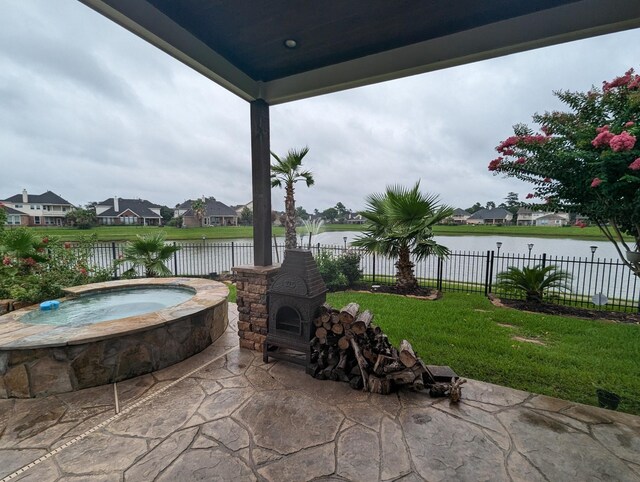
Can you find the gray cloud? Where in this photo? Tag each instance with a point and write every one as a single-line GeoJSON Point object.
{"type": "Point", "coordinates": [89, 111]}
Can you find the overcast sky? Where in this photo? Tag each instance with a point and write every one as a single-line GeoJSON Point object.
{"type": "Point", "coordinates": [89, 111]}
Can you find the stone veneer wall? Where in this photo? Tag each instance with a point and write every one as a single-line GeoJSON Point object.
{"type": "Point", "coordinates": [252, 283]}
{"type": "Point", "coordinates": [44, 371]}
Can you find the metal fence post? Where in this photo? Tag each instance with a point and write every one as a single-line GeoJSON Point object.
{"type": "Point", "coordinates": [374, 268]}
{"type": "Point", "coordinates": [440, 269]}
{"type": "Point", "coordinates": [544, 259]}
{"type": "Point", "coordinates": [491, 272]}
{"type": "Point", "coordinates": [233, 255]}
{"type": "Point", "coordinates": [175, 260]}
{"type": "Point", "coordinates": [115, 258]}
{"type": "Point", "coordinates": [486, 274]}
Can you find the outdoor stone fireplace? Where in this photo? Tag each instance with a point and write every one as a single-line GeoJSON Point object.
{"type": "Point", "coordinates": [294, 297]}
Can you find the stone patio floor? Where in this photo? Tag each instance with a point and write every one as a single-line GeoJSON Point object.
{"type": "Point", "coordinates": [224, 415]}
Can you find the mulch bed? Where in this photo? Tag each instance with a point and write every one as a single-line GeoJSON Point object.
{"type": "Point", "coordinates": [422, 293]}
{"type": "Point", "coordinates": [572, 311]}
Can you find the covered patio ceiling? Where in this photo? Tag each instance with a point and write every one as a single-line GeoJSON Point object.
{"type": "Point", "coordinates": [340, 44]}
{"type": "Point", "coordinates": [277, 51]}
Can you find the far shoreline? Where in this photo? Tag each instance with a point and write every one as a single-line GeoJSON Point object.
{"type": "Point", "coordinates": [125, 233]}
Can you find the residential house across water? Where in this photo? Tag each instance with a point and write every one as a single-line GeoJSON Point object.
{"type": "Point", "coordinates": [490, 216]}
{"type": "Point", "coordinates": [47, 209]}
{"type": "Point", "coordinates": [528, 217]}
{"type": "Point", "coordinates": [215, 214]}
{"type": "Point", "coordinates": [118, 211]}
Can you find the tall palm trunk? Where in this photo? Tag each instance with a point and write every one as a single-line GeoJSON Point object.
{"type": "Point", "coordinates": [405, 279]}
{"type": "Point", "coordinates": [290, 218]}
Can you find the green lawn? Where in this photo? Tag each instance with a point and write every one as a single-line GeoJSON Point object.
{"type": "Point", "coordinates": [123, 233]}
{"type": "Point", "coordinates": [463, 331]}
{"type": "Point", "coordinates": [589, 233]}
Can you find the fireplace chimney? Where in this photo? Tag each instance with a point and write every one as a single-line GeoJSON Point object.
{"type": "Point", "coordinates": [25, 196]}
{"type": "Point", "coordinates": [116, 204]}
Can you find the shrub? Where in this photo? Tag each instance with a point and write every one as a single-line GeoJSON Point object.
{"type": "Point", "coordinates": [339, 272]}
{"type": "Point", "coordinates": [349, 265]}
{"type": "Point", "coordinates": [533, 282]}
{"type": "Point", "coordinates": [35, 269]}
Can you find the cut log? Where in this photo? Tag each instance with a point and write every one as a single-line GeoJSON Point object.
{"type": "Point", "coordinates": [379, 385]}
{"type": "Point", "coordinates": [327, 325]}
{"type": "Point", "coordinates": [321, 333]}
{"type": "Point", "coordinates": [317, 321]}
{"type": "Point", "coordinates": [342, 364]}
{"type": "Point", "coordinates": [407, 355]}
{"type": "Point", "coordinates": [348, 313]}
{"type": "Point", "coordinates": [362, 322]}
{"type": "Point", "coordinates": [362, 363]}
{"type": "Point", "coordinates": [343, 343]}
{"type": "Point", "coordinates": [418, 384]}
{"type": "Point", "coordinates": [402, 377]}
{"type": "Point", "coordinates": [338, 328]}
{"type": "Point", "coordinates": [356, 383]}
{"type": "Point", "coordinates": [381, 362]}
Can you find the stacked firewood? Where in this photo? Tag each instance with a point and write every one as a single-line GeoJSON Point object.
{"type": "Point", "coordinates": [348, 347]}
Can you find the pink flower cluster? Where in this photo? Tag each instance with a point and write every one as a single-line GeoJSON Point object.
{"type": "Point", "coordinates": [603, 137]}
{"type": "Point", "coordinates": [495, 164]}
{"type": "Point", "coordinates": [29, 261]}
{"type": "Point", "coordinates": [530, 196]}
{"type": "Point", "coordinates": [629, 79]}
{"type": "Point", "coordinates": [596, 182]}
{"type": "Point", "coordinates": [622, 142]}
{"type": "Point", "coordinates": [535, 139]}
{"type": "Point", "coordinates": [6, 260]}
{"type": "Point", "coordinates": [507, 143]}
{"type": "Point", "coordinates": [635, 165]}
{"type": "Point", "coordinates": [505, 147]}
{"type": "Point", "coordinates": [521, 160]}
{"type": "Point", "coordinates": [630, 124]}
{"type": "Point", "coordinates": [547, 179]}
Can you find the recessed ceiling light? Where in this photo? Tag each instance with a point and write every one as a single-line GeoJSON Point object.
{"type": "Point", "coordinates": [290, 43]}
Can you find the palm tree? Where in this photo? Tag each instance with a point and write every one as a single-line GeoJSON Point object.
{"type": "Point", "coordinates": [287, 171]}
{"type": "Point", "coordinates": [533, 281]}
{"type": "Point", "coordinates": [199, 209]}
{"type": "Point", "coordinates": [151, 252]}
{"type": "Point", "coordinates": [400, 224]}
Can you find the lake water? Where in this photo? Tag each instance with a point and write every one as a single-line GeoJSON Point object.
{"type": "Point", "coordinates": [468, 263]}
{"type": "Point", "coordinates": [566, 247]}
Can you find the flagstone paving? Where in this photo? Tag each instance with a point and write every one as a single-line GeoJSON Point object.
{"type": "Point", "coordinates": [238, 419]}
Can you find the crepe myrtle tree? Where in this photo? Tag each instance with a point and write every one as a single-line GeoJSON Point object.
{"type": "Point", "coordinates": [585, 160]}
{"type": "Point", "coordinates": [286, 171]}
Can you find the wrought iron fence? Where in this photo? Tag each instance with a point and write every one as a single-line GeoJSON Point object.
{"type": "Point", "coordinates": [465, 271]}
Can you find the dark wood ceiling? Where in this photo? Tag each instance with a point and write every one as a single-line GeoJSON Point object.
{"type": "Point", "coordinates": [250, 34]}
{"type": "Point", "coordinates": [349, 43]}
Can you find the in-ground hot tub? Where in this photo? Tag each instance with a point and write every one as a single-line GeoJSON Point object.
{"type": "Point", "coordinates": [107, 332]}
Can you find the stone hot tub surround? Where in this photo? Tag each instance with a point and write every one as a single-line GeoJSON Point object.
{"type": "Point", "coordinates": [38, 360]}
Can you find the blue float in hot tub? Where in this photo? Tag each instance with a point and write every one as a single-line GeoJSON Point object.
{"type": "Point", "coordinates": [49, 305]}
